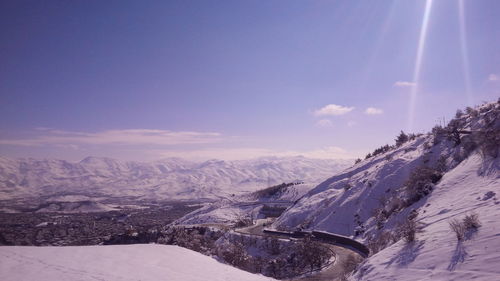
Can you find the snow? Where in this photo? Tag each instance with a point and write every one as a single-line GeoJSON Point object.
{"type": "Point", "coordinates": [125, 262]}
{"type": "Point", "coordinates": [330, 207]}
{"type": "Point", "coordinates": [229, 211]}
{"type": "Point", "coordinates": [437, 255]}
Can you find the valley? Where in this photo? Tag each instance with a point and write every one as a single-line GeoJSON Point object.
{"type": "Point", "coordinates": [119, 226]}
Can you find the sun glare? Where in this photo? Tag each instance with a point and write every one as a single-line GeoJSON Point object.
{"type": "Point", "coordinates": [418, 63]}
{"type": "Point", "coordinates": [464, 50]}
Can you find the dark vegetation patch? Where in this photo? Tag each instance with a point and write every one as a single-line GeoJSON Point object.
{"type": "Point", "coordinates": [274, 191]}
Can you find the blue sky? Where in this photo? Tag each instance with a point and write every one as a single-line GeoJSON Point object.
{"type": "Point", "coordinates": [144, 80]}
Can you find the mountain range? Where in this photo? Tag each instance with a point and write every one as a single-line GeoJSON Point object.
{"type": "Point", "coordinates": [168, 179]}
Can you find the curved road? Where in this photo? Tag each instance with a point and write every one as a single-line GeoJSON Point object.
{"type": "Point", "coordinates": [330, 272]}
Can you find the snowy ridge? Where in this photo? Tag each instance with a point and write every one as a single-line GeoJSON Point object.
{"type": "Point", "coordinates": [330, 207]}
{"type": "Point", "coordinates": [172, 178]}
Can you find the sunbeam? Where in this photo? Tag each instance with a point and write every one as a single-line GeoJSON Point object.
{"type": "Point", "coordinates": [418, 64]}
{"type": "Point", "coordinates": [464, 50]}
{"type": "Point", "coordinates": [378, 43]}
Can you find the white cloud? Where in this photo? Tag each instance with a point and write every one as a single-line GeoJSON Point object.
{"type": "Point", "coordinates": [323, 123]}
{"type": "Point", "coordinates": [373, 111]}
{"type": "Point", "coordinates": [405, 84]}
{"type": "Point", "coordinates": [351, 123]}
{"type": "Point", "coordinates": [333, 109]}
{"type": "Point", "coordinates": [47, 136]}
{"type": "Point", "coordinates": [330, 152]}
{"type": "Point", "coordinates": [493, 77]}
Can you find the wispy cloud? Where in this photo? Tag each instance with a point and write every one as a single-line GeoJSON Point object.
{"type": "Point", "coordinates": [333, 109]}
{"type": "Point", "coordinates": [405, 84]}
{"type": "Point", "coordinates": [493, 77]}
{"type": "Point", "coordinates": [47, 136]}
{"type": "Point", "coordinates": [324, 123]}
{"type": "Point", "coordinates": [140, 144]}
{"type": "Point", "coordinates": [330, 152]}
{"type": "Point", "coordinates": [373, 111]}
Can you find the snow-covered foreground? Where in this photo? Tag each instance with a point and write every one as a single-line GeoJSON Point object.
{"type": "Point", "coordinates": [109, 263]}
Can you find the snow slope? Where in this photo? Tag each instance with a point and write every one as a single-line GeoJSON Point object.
{"type": "Point", "coordinates": [167, 179]}
{"type": "Point", "coordinates": [231, 210]}
{"type": "Point", "coordinates": [437, 255]}
{"type": "Point", "coordinates": [333, 204]}
{"type": "Point", "coordinates": [348, 202]}
{"type": "Point", "coordinates": [125, 262]}
{"type": "Point", "coordinates": [343, 202]}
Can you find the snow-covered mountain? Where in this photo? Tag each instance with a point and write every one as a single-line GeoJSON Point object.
{"type": "Point", "coordinates": [427, 180]}
{"type": "Point", "coordinates": [171, 178]}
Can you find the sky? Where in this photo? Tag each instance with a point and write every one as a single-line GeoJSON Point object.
{"type": "Point", "coordinates": [145, 80]}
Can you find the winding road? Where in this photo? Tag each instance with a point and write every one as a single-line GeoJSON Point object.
{"type": "Point", "coordinates": [332, 271]}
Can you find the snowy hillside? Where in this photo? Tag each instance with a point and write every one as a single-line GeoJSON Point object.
{"type": "Point", "coordinates": [428, 180]}
{"type": "Point", "coordinates": [245, 206]}
{"type": "Point", "coordinates": [437, 255]}
{"type": "Point", "coordinates": [167, 179]}
{"type": "Point", "coordinates": [128, 262]}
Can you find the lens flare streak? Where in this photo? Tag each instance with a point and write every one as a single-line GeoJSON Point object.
{"type": "Point", "coordinates": [464, 50]}
{"type": "Point", "coordinates": [418, 63]}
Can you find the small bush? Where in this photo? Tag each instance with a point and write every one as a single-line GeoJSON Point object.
{"type": "Point", "coordinates": [379, 242]}
{"type": "Point", "coordinates": [488, 142]}
{"type": "Point", "coordinates": [381, 216]}
{"type": "Point", "coordinates": [441, 164]}
{"type": "Point", "coordinates": [402, 138]}
{"type": "Point", "coordinates": [472, 112]}
{"type": "Point", "coordinates": [427, 146]}
{"type": "Point", "coordinates": [413, 136]}
{"type": "Point", "coordinates": [453, 131]}
{"type": "Point", "coordinates": [349, 265]}
{"type": "Point", "coordinates": [395, 204]}
{"type": "Point", "coordinates": [409, 231]}
{"type": "Point", "coordinates": [421, 182]}
{"type": "Point", "coordinates": [469, 144]}
{"type": "Point", "coordinates": [439, 133]}
{"type": "Point", "coordinates": [471, 221]}
{"type": "Point", "coordinates": [357, 161]}
{"type": "Point", "coordinates": [459, 229]}
{"type": "Point", "coordinates": [465, 227]}
{"type": "Point", "coordinates": [409, 228]}
{"type": "Point", "coordinates": [381, 150]}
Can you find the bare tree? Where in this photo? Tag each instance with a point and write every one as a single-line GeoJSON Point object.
{"type": "Point", "coordinates": [311, 253]}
